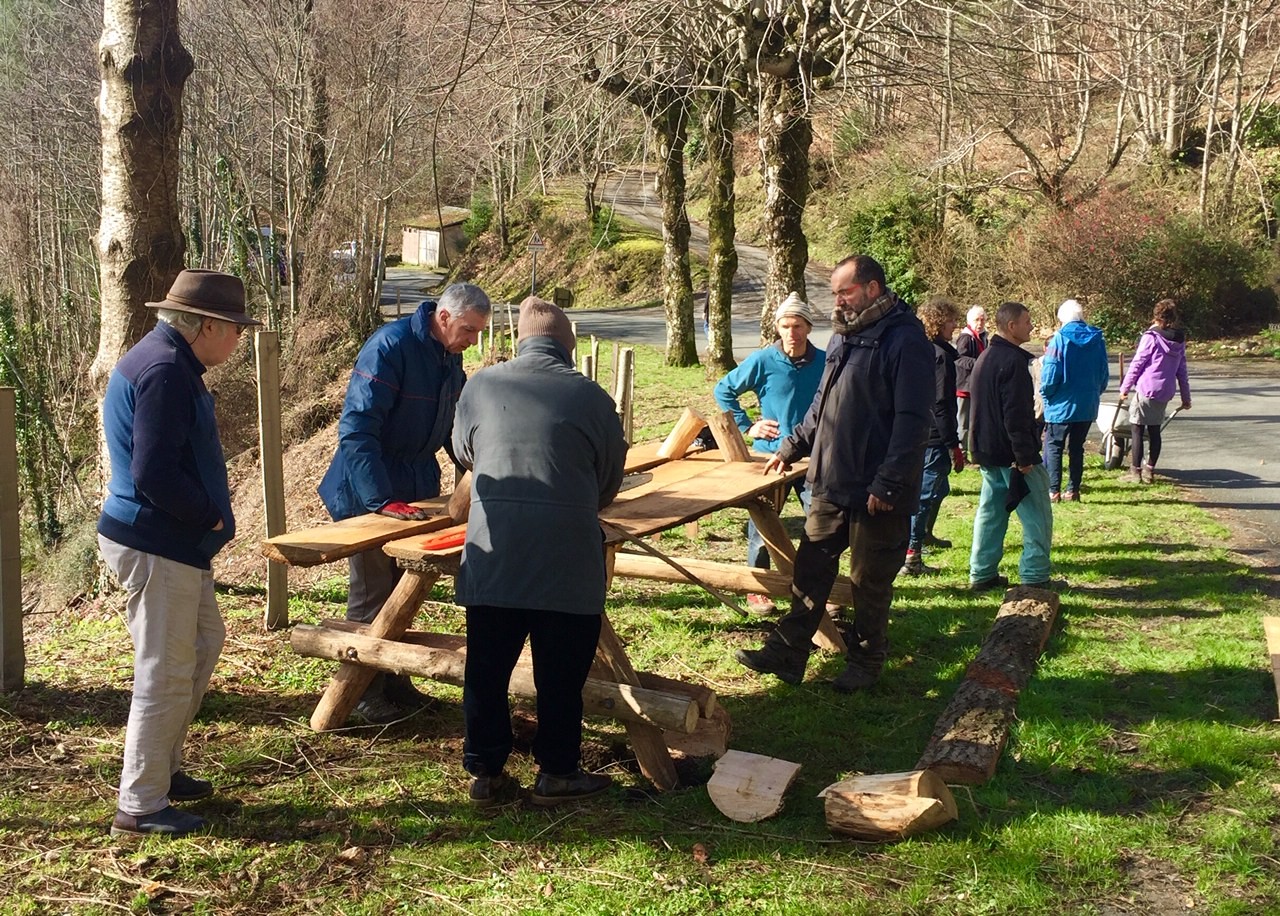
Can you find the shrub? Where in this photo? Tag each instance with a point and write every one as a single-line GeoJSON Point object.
{"type": "Point", "coordinates": [481, 216]}
{"type": "Point", "coordinates": [1120, 254]}
{"type": "Point", "coordinates": [890, 229]}
{"type": "Point", "coordinates": [605, 231]}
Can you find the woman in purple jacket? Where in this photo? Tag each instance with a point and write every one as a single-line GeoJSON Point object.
{"type": "Point", "coordinates": [1161, 361]}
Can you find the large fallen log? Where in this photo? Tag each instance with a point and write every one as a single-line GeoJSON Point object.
{"type": "Point", "coordinates": [970, 735]}
{"type": "Point", "coordinates": [889, 806]}
{"type": "Point", "coordinates": [625, 702]}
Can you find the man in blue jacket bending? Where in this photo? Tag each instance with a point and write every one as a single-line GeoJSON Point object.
{"type": "Point", "coordinates": [167, 512]}
{"type": "Point", "coordinates": [1073, 375]}
{"type": "Point", "coordinates": [397, 414]}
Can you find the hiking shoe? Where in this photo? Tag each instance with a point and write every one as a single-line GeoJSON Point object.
{"type": "Point", "coordinates": [184, 788]}
{"type": "Point", "coordinates": [780, 660]}
{"type": "Point", "coordinates": [1053, 585]}
{"type": "Point", "coordinates": [551, 790]}
{"type": "Point", "coordinates": [1055, 497]}
{"type": "Point", "coordinates": [1071, 496]}
{"type": "Point", "coordinates": [1148, 474]}
{"type": "Point", "coordinates": [987, 585]}
{"type": "Point", "coordinates": [1133, 475]}
{"type": "Point", "coordinates": [931, 541]}
{"type": "Point", "coordinates": [762, 605]}
{"type": "Point", "coordinates": [914, 565]}
{"type": "Point", "coordinates": [376, 709]}
{"type": "Point", "coordinates": [168, 821]}
{"type": "Point", "coordinates": [855, 677]}
{"type": "Point", "coordinates": [399, 690]}
{"type": "Point", "coordinates": [488, 791]}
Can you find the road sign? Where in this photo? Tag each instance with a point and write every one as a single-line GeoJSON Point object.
{"type": "Point", "coordinates": [536, 243]}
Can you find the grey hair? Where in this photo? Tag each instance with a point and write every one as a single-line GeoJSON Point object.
{"type": "Point", "coordinates": [184, 322]}
{"type": "Point", "coordinates": [464, 297]}
{"type": "Point", "coordinates": [974, 313]}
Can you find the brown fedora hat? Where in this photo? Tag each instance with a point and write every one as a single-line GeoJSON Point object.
{"type": "Point", "coordinates": [207, 292]}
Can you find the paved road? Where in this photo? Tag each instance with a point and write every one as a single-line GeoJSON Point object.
{"type": "Point", "coordinates": [1223, 451]}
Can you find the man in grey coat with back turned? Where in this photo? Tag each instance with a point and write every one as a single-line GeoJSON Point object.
{"type": "Point", "coordinates": [546, 454]}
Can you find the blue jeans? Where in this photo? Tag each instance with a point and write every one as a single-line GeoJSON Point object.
{"type": "Point", "coordinates": [934, 487]}
{"type": "Point", "coordinates": [992, 521]}
{"type": "Point", "coordinates": [757, 553]}
{"type": "Point", "coordinates": [1072, 436]}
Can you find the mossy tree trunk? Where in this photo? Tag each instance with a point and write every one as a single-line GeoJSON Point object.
{"type": "Point", "coordinates": [670, 122]}
{"type": "Point", "coordinates": [719, 113]}
{"type": "Point", "coordinates": [140, 242]}
{"type": "Point", "coordinates": [786, 134]}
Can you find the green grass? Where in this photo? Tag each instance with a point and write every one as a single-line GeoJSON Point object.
{"type": "Point", "coordinates": [1141, 776]}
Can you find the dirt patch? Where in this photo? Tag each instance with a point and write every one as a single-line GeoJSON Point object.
{"type": "Point", "coordinates": [1155, 888]}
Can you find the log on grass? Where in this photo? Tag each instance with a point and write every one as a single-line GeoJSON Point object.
{"type": "Point", "coordinates": [1271, 628]}
{"type": "Point", "coordinates": [624, 702]}
{"type": "Point", "coordinates": [971, 733]}
{"type": "Point", "coordinates": [889, 806]}
{"type": "Point", "coordinates": [709, 739]}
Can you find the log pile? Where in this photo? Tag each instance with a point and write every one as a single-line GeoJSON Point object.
{"type": "Point", "coordinates": [970, 735]}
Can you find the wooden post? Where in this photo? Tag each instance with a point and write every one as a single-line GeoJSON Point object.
{"type": "Point", "coordinates": [1271, 629]}
{"type": "Point", "coordinates": [13, 658]}
{"type": "Point", "coordinates": [595, 358]}
{"type": "Point", "coordinates": [589, 366]}
{"type": "Point", "coordinates": [573, 325]}
{"type": "Point", "coordinates": [682, 434]}
{"type": "Point", "coordinates": [267, 349]}
{"type": "Point", "coordinates": [624, 389]}
{"type": "Point", "coordinates": [614, 349]}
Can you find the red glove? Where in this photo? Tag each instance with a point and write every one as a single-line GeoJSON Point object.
{"type": "Point", "coordinates": [957, 459]}
{"type": "Point", "coordinates": [403, 511]}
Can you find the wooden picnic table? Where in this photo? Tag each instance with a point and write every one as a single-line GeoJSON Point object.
{"type": "Point", "coordinates": [658, 494]}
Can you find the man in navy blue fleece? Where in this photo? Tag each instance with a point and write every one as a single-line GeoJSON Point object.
{"type": "Point", "coordinates": [865, 436]}
{"type": "Point", "coordinates": [397, 414]}
{"type": "Point", "coordinates": [784, 378]}
{"type": "Point", "coordinates": [167, 512]}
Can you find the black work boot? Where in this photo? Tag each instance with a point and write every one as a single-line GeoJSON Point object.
{"type": "Point", "coordinates": [551, 790]}
{"type": "Point", "coordinates": [488, 791]}
{"type": "Point", "coordinates": [777, 658]}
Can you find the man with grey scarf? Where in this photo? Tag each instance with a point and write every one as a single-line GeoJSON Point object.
{"type": "Point", "coordinates": [865, 436]}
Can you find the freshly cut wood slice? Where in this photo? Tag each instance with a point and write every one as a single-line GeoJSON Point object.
{"type": "Point", "coordinates": [749, 787]}
{"type": "Point", "coordinates": [889, 806]}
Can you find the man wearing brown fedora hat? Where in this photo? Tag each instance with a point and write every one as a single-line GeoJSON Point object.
{"type": "Point", "coordinates": [167, 512]}
{"type": "Point", "coordinates": [397, 415]}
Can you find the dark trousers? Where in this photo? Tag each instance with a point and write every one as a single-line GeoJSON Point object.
{"type": "Point", "coordinates": [373, 578]}
{"type": "Point", "coordinates": [563, 647]}
{"type": "Point", "coordinates": [1068, 437]}
{"type": "Point", "coordinates": [1151, 432]}
{"type": "Point", "coordinates": [877, 545]}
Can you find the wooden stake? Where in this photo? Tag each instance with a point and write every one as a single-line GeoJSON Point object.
{"type": "Point", "coordinates": [728, 437]}
{"type": "Point", "coordinates": [595, 358]}
{"type": "Point", "coordinates": [1271, 627]}
{"type": "Point", "coordinates": [267, 350]}
{"type": "Point", "coordinates": [889, 806]}
{"type": "Point", "coordinates": [13, 657]}
{"type": "Point", "coordinates": [624, 387]}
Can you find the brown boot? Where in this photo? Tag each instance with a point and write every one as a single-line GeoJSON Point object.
{"type": "Point", "coordinates": [1148, 474]}
{"type": "Point", "coordinates": [1133, 475]}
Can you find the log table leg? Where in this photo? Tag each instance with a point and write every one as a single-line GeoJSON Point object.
{"type": "Point", "coordinates": [769, 524]}
{"type": "Point", "coordinates": [646, 740]}
{"type": "Point", "coordinates": [352, 679]}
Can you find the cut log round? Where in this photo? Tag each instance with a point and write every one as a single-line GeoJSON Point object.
{"type": "Point", "coordinates": [682, 435]}
{"type": "Point", "coordinates": [889, 806]}
{"type": "Point", "coordinates": [749, 787]}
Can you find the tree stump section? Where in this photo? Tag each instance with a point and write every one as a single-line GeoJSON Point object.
{"type": "Point", "coordinates": [889, 806]}
{"type": "Point", "coordinates": [749, 787]}
{"type": "Point", "coordinates": [971, 733]}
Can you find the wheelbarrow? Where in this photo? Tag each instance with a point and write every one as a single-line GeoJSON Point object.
{"type": "Point", "coordinates": [1117, 432]}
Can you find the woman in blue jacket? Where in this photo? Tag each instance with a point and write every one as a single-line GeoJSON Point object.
{"type": "Point", "coordinates": [1073, 375]}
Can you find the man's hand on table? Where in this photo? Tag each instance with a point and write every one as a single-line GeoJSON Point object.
{"type": "Point", "coordinates": [404, 512]}
{"type": "Point", "coordinates": [776, 465]}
